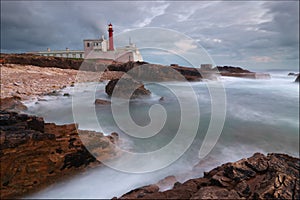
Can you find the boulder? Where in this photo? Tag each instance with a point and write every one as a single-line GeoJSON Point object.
{"type": "Point", "coordinates": [275, 176]}
{"type": "Point", "coordinates": [125, 87]}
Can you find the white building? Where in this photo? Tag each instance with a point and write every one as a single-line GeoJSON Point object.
{"type": "Point", "coordinates": [104, 49]}
{"type": "Point", "coordinates": [100, 49]}
{"type": "Point", "coordinates": [61, 53]}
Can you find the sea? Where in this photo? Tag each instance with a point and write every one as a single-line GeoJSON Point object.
{"type": "Point", "coordinates": [259, 115]}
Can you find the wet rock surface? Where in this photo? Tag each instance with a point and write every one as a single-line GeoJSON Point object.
{"type": "Point", "coordinates": [126, 88]}
{"type": "Point", "coordinates": [35, 154]}
{"type": "Point", "coordinates": [275, 176]}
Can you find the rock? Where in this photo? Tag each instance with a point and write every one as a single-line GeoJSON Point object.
{"type": "Point", "coordinates": [161, 98]}
{"type": "Point", "coordinates": [292, 74]}
{"type": "Point", "coordinates": [275, 176]}
{"type": "Point", "coordinates": [166, 183]}
{"type": "Point", "coordinates": [230, 69]}
{"type": "Point", "coordinates": [66, 95]}
{"type": "Point", "coordinates": [12, 104]}
{"type": "Point", "coordinates": [141, 192]}
{"type": "Point", "coordinates": [41, 61]}
{"type": "Point", "coordinates": [298, 78]}
{"type": "Point", "coordinates": [102, 102]}
{"type": "Point", "coordinates": [241, 73]}
{"type": "Point", "coordinates": [125, 88]}
{"type": "Point", "coordinates": [35, 154]}
{"type": "Point", "coordinates": [153, 72]}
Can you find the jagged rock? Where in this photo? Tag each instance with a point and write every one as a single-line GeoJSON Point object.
{"type": "Point", "coordinates": [125, 88]}
{"type": "Point", "coordinates": [298, 78]}
{"type": "Point", "coordinates": [102, 102]}
{"type": "Point", "coordinates": [275, 176]}
{"type": "Point", "coordinates": [35, 154]}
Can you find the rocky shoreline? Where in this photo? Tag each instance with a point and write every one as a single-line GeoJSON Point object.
{"type": "Point", "coordinates": [275, 176]}
{"type": "Point", "coordinates": [27, 81]}
{"type": "Point", "coordinates": [35, 154]}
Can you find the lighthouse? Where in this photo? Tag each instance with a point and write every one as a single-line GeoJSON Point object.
{"type": "Point", "coordinates": [111, 38]}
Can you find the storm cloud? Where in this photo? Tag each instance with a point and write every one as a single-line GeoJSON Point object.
{"type": "Point", "coordinates": [244, 33]}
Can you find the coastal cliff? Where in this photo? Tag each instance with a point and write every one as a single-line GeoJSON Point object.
{"type": "Point", "coordinates": [35, 154]}
{"type": "Point", "coordinates": [275, 176]}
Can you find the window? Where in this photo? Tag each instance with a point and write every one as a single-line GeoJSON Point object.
{"type": "Point", "coordinates": [88, 44]}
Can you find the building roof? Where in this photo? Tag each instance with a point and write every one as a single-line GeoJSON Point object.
{"type": "Point", "coordinates": [94, 40]}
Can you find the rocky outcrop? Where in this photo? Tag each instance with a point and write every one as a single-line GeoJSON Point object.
{"type": "Point", "coordinates": [230, 69]}
{"type": "Point", "coordinates": [124, 67]}
{"type": "Point", "coordinates": [275, 176]}
{"type": "Point", "coordinates": [35, 154]}
{"type": "Point", "coordinates": [241, 73]}
{"type": "Point", "coordinates": [153, 72]}
{"type": "Point", "coordinates": [57, 62]}
{"type": "Point", "coordinates": [127, 88]}
{"type": "Point", "coordinates": [41, 61]}
{"type": "Point", "coordinates": [298, 78]}
{"type": "Point", "coordinates": [293, 74]}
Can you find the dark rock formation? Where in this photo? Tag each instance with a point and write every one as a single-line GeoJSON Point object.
{"type": "Point", "coordinates": [125, 88]}
{"type": "Point", "coordinates": [298, 78]}
{"type": "Point", "coordinates": [102, 102]}
{"type": "Point", "coordinates": [230, 69]}
{"type": "Point", "coordinates": [293, 74]}
{"type": "Point", "coordinates": [124, 67]}
{"type": "Point", "coordinates": [41, 61]}
{"type": "Point", "coordinates": [153, 72]}
{"type": "Point", "coordinates": [35, 154]}
{"type": "Point", "coordinates": [51, 61]}
{"type": "Point", "coordinates": [275, 176]}
{"type": "Point", "coordinates": [241, 73]}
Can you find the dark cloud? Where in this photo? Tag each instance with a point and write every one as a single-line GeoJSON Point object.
{"type": "Point", "coordinates": [233, 32]}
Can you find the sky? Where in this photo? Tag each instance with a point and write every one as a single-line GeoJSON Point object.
{"type": "Point", "coordinates": [253, 34]}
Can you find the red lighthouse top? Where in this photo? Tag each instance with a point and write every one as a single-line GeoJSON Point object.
{"type": "Point", "coordinates": [110, 27]}
{"type": "Point", "coordinates": [111, 38]}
